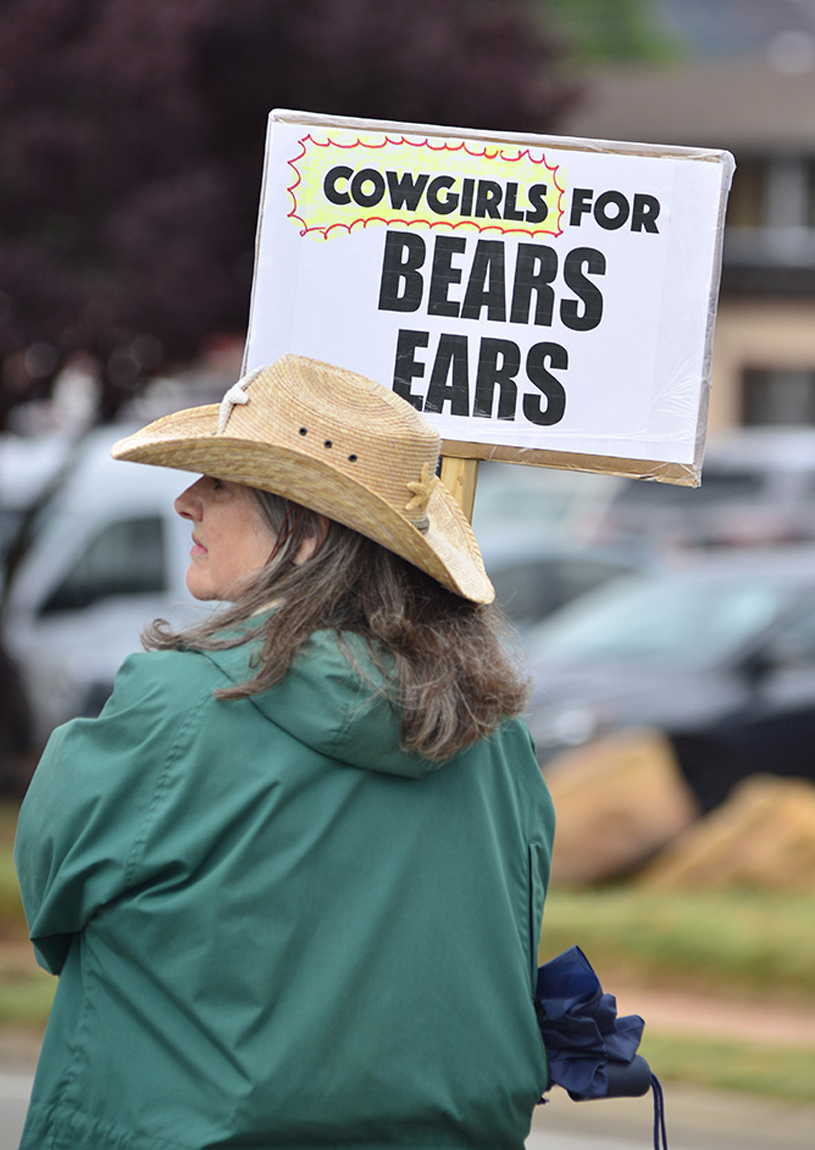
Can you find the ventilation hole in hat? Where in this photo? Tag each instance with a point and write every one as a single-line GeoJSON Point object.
{"type": "Point", "coordinates": [352, 458]}
{"type": "Point", "coordinates": [304, 431]}
{"type": "Point", "coordinates": [328, 443]}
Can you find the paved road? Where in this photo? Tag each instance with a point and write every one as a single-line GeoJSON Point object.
{"type": "Point", "coordinates": [14, 1091]}
{"type": "Point", "coordinates": [697, 1120]}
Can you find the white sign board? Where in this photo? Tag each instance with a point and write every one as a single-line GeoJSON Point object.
{"type": "Point", "coordinates": [540, 299]}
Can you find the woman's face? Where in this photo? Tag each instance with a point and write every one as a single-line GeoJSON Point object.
{"type": "Point", "coordinates": [231, 539]}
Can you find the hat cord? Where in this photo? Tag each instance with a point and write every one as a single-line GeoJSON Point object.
{"type": "Point", "coordinates": [235, 395]}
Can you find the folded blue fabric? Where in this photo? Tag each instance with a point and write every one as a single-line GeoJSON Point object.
{"type": "Point", "coordinates": [580, 1027]}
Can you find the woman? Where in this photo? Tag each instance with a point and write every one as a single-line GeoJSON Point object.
{"type": "Point", "coordinates": [292, 877]}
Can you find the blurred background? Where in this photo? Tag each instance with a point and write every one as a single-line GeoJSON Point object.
{"type": "Point", "coordinates": [670, 632]}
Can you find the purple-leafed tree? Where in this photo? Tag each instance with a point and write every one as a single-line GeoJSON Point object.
{"type": "Point", "coordinates": [132, 144]}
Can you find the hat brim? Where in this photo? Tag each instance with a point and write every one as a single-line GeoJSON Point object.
{"type": "Point", "coordinates": [189, 441]}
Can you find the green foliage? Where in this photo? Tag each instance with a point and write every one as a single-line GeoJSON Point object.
{"type": "Point", "coordinates": [132, 150]}
{"type": "Point", "coordinates": [611, 31]}
{"type": "Point", "coordinates": [747, 944]}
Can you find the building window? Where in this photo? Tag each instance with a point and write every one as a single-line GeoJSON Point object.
{"type": "Point", "coordinates": [778, 398]}
{"type": "Point", "coordinates": [745, 207]}
{"type": "Point", "coordinates": [771, 212]}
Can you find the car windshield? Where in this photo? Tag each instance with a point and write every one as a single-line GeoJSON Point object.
{"type": "Point", "coordinates": [687, 622]}
{"type": "Point", "coordinates": [720, 485]}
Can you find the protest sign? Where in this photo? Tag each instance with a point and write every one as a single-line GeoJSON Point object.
{"type": "Point", "coordinates": [543, 300]}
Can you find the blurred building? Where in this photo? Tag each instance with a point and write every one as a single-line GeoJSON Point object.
{"type": "Point", "coordinates": [761, 107]}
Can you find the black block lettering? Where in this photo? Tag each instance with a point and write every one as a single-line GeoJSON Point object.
{"type": "Point", "coordinates": [510, 209]}
{"type": "Point", "coordinates": [368, 176]}
{"type": "Point", "coordinates": [552, 388]}
{"type": "Point", "coordinates": [330, 185]}
{"type": "Point", "coordinates": [491, 373]}
{"type": "Point", "coordinates": [467, 193]}
{"type": "Point", "coordinates": [581, 203]}
{"type": "Point", "coordinates": [488, 265]}
{"type": "Point", "coordinates": [449, 203]}
{"type": "Point", "coordinates": [407, 367]}
{"type": "Point", "coordinates": [402, 285]}
{"type": "Point", "coordinates": [644, 214]}
{"type": "Point", "coordinates": [405, 192]}
{"type": "Point", "coordinates": [444, 274]}
{"type": "Point", "coordinates": [451, 360]}
{"type": "Point", "coordinates": [588, 292]}
{"type": "Point", "coordinates": [535, 269]}
{"type": "Point", "coordinates": [618, 218]}
{"type": "Point", "coordinates": [540, 209]}
{"type": "Point", "coordinates": [488, 200]}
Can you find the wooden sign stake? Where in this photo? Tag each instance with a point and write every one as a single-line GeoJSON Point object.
{"type": "Point", "coordinates": [459, 476]}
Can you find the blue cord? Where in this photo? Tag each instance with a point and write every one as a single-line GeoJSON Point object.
{"type": "Point", "coordinates": [659, 1115]}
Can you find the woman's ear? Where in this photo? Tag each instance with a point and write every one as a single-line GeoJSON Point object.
{"type": "Point", "coordinates": [314, 542]}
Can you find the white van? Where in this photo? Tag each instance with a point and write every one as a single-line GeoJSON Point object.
{"type": "Point", "coordinates": [107, 555]}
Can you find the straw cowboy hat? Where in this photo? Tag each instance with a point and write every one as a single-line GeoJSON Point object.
{"type": "Point", "coordinates": [339, 444]}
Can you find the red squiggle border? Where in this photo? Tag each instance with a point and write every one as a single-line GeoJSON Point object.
{"type": "Point", "coordinates": [442, 146]}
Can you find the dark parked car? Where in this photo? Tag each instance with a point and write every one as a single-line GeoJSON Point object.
{"type": "Point", "coordinates": [720, 655]}
{"type": "Point", "coordinates": [758, 488]}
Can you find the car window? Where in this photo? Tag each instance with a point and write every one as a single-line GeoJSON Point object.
{"type": "Point", "coordinates": [124, 558]}
{"type": "Point", "coordinates": [10, 519]}
{"type": "Point", "coordinates": [529, 591]}
{"type": "Point", "coordinates": [667, 621]}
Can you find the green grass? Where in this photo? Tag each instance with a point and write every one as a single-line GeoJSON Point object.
{"type": "Point", "coordinates": [25, 997]}
{"type": "Point", "coordinates": [8, 821]}
{"type": "Point", "coordinates": [26, 991]}
{"type": "Point", "coordinates": [12, 919]}
{"type": "Point", "coordinates": [749, 944]}
{"type": "Point", "coordinates": [784, 1072]}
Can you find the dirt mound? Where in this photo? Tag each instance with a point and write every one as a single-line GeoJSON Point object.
{"type": "Point", "coordinates": [618, 801]}
{"type": "Point", "coordinates": [763, 836]}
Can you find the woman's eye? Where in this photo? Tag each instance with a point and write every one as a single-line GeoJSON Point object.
{"type": "Point", "coordinates": [217, 484]}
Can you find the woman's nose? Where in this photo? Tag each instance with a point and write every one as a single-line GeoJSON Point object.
{"type": "Point", "coordinates": [188, 503]}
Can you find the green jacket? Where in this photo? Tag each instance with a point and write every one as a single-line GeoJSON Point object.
{"type": "Point", "coordinates": [273, 927]}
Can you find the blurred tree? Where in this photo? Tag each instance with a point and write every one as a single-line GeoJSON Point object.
{"type": "Point", "coordinates": [132, 147]}
{"type": "Point", "coordinates": [614, 31]}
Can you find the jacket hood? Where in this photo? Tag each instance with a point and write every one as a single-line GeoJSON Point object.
{"type": "Point", "coordinates": [333, 700]}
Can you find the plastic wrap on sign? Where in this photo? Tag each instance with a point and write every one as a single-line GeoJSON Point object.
{"type": "Point", "coordinates": [541, 300]}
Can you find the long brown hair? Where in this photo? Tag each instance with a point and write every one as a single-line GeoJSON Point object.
{"type": "Point", "coordinates": [455, 673]}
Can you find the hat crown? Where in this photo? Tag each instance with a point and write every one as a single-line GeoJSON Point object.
{"type": "Point", "coordinates": [343, 420]}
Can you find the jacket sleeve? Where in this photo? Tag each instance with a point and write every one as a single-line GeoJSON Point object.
{"type": "Point", "coordinates": [91, 796]}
